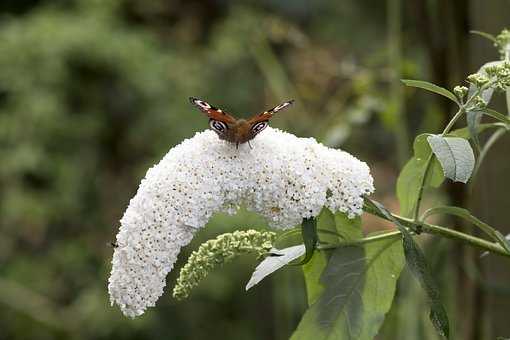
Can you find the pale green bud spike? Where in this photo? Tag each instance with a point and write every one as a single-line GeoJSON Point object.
{"type": "Point", "coordinates": [214, 253]}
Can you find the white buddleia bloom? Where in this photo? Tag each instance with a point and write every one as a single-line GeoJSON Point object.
{"type": "Point", "coordinates": [282, 177]}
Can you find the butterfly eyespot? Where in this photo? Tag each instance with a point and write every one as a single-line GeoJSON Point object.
{"type": "Point", "coordinates": [259, 127]}
{"type": "Point", "coordinates": [218, 126]}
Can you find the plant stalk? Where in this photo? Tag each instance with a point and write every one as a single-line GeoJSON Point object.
{"type": "Point", "coordinates": [452, 122]}
{"type": "Point", "coordinates": [439, 230]}
{"type": "Point", "coordinates": [425, 228]}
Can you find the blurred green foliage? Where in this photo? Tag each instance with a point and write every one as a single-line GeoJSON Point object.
{"type": "Point", "coordinates": [93, 92]}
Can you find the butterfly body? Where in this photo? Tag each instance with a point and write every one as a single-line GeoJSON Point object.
{"type": "Point", "coordinates": [237, 131]}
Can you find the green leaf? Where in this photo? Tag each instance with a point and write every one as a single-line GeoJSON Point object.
{"type": "Point", "coordinates": [310, 238]}
{"type": "Point", "coordinates": [411, 176]}
{"type": "Point", "coordinates": [485, 35]}
{"type": "Point", "coordinates": [432, 88]}
{"type": "Point", "coordinates": [417, 264]}
{"type": "Point", "coordinates": [277, 259]}
{"type": "Point", "coordinates": [326, 221]}
{"type": "Point", "coordinates": [455, 155]}
{"type": "Point", "coordinates": [465, 133]}
{"type": "Point", "coordinates": [348, 228]}
{"type": "Point", "coordinates": [465, 214]}
{"type": "Point", "coordinates": [359, 286]}
{"type": "Point", "coordinates": [496, 115]}
{"type": "Point", "coordinates": [312, 272]}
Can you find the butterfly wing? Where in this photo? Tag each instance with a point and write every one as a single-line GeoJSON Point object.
{"type": "Point", "coordinates": [211, 111]}
{"type": "Point", "coordinates": [219, 121]}
{"type": "Point", "coordinates": [259, 122]}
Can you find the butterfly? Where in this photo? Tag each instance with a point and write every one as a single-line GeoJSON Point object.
{"type": "Point", "coordinates": [231, 129]}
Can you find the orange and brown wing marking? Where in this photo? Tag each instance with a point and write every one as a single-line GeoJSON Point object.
{"type": "Point", "coordinates": [266, 115]}
{"type": "Point", "coordinates": [211, 111]}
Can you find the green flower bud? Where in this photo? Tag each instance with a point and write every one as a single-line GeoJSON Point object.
{"type": "Point", "coordinates": [503, 42]}
{"type": "Point", "coordinates": [502, 76]}
{"type": "Point", "coordinates": [477, 79]}
{"type": "Point", "coordinates": [491, 70]}
{"type": "Point", "coordinates": [460, 91]}
{"type": "Point", "coordinates": [478, 103]}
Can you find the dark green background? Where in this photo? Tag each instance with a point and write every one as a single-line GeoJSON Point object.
{"type": "Point", "coordinates": [93, 92]}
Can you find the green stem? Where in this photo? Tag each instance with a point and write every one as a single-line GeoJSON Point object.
{"type": "Point", "coordinates": [426, 228]}
{"type": "Point", "coordinates": [452, 122]}
{"type": "Point", "coordinates": [446, 232]}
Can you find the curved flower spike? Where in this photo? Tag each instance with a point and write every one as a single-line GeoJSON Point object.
{"type": "Point", "coordinates": [218, 251]}
{"type": "Point", "coordinates": [283, 177]}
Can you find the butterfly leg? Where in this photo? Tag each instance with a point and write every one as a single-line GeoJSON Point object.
{"type": "Point", "coordinates": [237, 146]}
{"type": "Point", "coordinates": [251, 147]}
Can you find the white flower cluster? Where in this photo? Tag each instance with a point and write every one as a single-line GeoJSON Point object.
{"type": "Point", "coordinates": [282, 177]}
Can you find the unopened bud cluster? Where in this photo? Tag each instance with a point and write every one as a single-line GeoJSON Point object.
{"type": "Point", "coordinates": [478, 103]}
{"type": "Point", "coordinates": [495, 76]}
{"type": "Point", "coordinates": [500, 75]}
{"type": "Point", "coordinates": [460, 91]}
{"type": "Point", "coordinates": [503, 42]}
{"type": "Point", "coordinates": [214, 253]}
{"type": "Point", "coordinates": [478, 79]}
